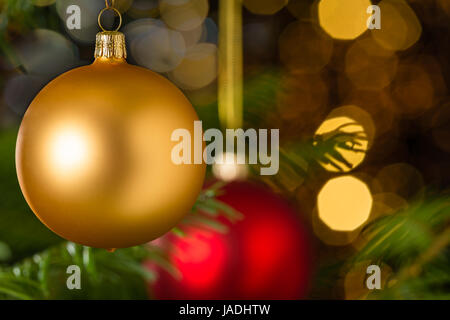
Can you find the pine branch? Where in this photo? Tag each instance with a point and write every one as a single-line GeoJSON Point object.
{"type": "Point", "coordinates": [436, 248]}
{"type": "Point", "coordinates": [415, 243]}
{"type": "Point", "coordinates": [302, 161]}
{"type": "Point", "coordinates": [42, 276]}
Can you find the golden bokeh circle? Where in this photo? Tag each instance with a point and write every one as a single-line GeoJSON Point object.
{"type": "Point", "coordinates": [184, 15]}
{"type": "Point", "coordinates": [344, 203]}
{"type": "Point", "coordinates": [198, 68]}
{"type": "Point", "coordinates": [401, 179]}
{"type": "Point", "coordinates": [343, 19]}
{"type": "Point", "coordinates": [370, 66]}
{"type": "Point", "coordinates": [400, 27]}
{"type": "Point", "coordinates": [332, 237]}
{"type": "Point", "coordinates": [351, 120]}
{"type": "Point", "coordinates": [264, 7]}
{"type": "Point", "coordinates": [378, 104]}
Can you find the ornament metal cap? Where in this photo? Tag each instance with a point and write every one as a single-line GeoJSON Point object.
{"type": "Point", "coordinates": [111, 45]}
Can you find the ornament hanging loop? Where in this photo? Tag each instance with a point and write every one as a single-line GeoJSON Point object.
{"type": "Point", "coordinates": [110, 43]}
{"type": "Point", "coordinates": [117, 12]}
{"type": "Point", "coordinates": [109, 5]}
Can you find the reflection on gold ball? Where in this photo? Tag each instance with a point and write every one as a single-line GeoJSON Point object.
{"type": "Point", "coordinates": [93, 155]}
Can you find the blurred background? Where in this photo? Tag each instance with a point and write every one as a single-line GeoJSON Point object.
{"type": "Point", "coordinates": [364, 119]}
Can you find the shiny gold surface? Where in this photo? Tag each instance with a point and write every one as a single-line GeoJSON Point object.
{"type": "Point", "coordinates": [93, 155]}
{"type": "Point", "coordinates": [110, 44]}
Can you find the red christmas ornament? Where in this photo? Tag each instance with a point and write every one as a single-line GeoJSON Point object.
{"type": "Point", "coordinates": [264, 256]}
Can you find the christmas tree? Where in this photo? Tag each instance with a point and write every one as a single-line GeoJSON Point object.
{"type": "Point", "coordinates": [360, 188]}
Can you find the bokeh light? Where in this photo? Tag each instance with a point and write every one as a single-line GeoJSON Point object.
{"type": "Point", "coordinates": [413, 89]}
{"type": "Point", "coordinates": [304, 47]}
{"type": "Point", "coordinates": [47, 53]}
{"type": "Point", "coordinates": [351, 120]}
{"type": "Point", "coordinates": [198, 68]}
{"type": "Point", "coordinates": [230, 170]}
{"type": "Point", "coordinates": [332, 237]}
{"type": "Point", "coordinates": [344, 203]}
{"type": "Point", "coordinates": [360, 116]}
{"type": "Point", "coordinates": [153, 45]}
{"type": "Point", "coordinates": [400, 27]}
{"type": "Point", "coordinates": [184, 15]}
{"type": "Point", "coordinates": [144, 9]}
{"type": "Point", "coordinates": [400, 178]}
{"type": "Point", "coordinates": [370, 66]}
{"type": "Point", "coordinates": [20, 90]}
{"type": "Point", "coordinates": [193, 36]}
{"type": "Point", "coordinates": [343, 19]}
{"type": "Point", "coordinates": [264, 6]}
{"type": "Point", "coordinates": [88, 20]}
{"type": "Point", "coordinates": [378, 104]}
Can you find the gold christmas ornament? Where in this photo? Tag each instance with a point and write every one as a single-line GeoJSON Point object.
{"type": "Point", "coordinates": [93, 152]}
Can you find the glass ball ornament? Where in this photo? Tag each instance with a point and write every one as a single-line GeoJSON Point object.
{"type": "Point", "coordinates": [93, 152]}
{"type": "Point", "coordinates": [268, 254]}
